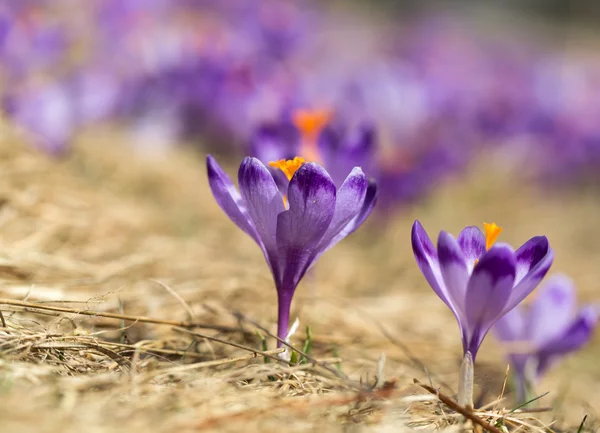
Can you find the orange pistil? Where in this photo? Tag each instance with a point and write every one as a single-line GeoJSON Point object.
{"type": "Point", "coordinates": [288, 166]}
{"type": "Point", "coordinates": [310, 123]}
{"type": "Point", "coordinates": [491, 234]}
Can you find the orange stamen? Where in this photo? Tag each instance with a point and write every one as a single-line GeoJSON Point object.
{"type": "Point", "coordinates": [491, 234]}
{"type": "Point", "coordinates": [289, 166]}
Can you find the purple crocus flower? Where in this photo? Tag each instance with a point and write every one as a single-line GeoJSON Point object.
{"type": "Point", "coordinates": [293, 231]}
{"type": "Point", "coordinates": [547, 330]}
{"type": "Point", "coordinates": [479, 281]}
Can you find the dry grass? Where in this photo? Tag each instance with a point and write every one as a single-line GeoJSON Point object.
{"type": "Point", "coordinates": [134, 306]}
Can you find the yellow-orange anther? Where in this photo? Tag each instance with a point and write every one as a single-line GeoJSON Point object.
{"type": "Point", "coordinates": [288, 166]}
{"type": "Point", "coordinates": [311, 122]}
{"type": "Point", "coordinates": [491, 234]}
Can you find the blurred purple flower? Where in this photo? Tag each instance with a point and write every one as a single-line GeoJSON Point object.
{"type": "Point", "coordinates": [272, 141]}
{"type": "Point", "coordinates": [548, 329]}
{"type": "Point", "coordinates": [293, 231]}
{"type": "Point", "coordinates": [480, 282]}
{"type": "Point", "coordinates": [46, 114]}
{"type": "Point", "coordinates": [342, 148]}
{"type": "Point", "coordinates": [275, 141]}
{"type": "Point", "coordinates": [337, 148]}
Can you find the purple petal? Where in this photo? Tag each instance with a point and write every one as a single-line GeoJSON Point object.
{"type": "Point", "coordinates": [368, 203]}
{"type": "Point", "coordinates": [511, 326]}
{"type": "Point", "coordinates": [454, 270]}
{"type": "Point", "coordinates": [538, 270]}
{"type": "Point", "coordinates": [366, 209]}
{"type": "Point", "coordinates": [472, 242]}
{"type": "Point", "coordinates": [229, 199]}
{"type": "Point", "coordinates": [280, 179]}
{"type": "Point", "coordinates": [312, 198]}
{"type": "Point", "coordinates": [348, 204]}
{"type": "Point", "coordinates": [428, 262]}
{"type": "Point", "coordinates": [577, 335]}
{"type": "Point", "coordinates": [488, 291]}
{"type": "Point", "coordinates": [551, 313]}
{"type": "Point", "coordinates": [265, 203]}
{"type": "Point", "coordinates": [530, 254]}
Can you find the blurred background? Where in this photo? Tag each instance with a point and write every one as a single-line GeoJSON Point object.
{"type": "Point", "coordinates": [462, 111]}
{"type": "Point", "coordinates": [434, 84]}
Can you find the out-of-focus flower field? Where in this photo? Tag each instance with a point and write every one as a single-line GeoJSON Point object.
{"type": "Point", "coordinates": [129, 301]}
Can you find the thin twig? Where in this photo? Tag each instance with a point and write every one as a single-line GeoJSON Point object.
{"type": "Point", "coordinates": [176, 295]}
{"type": "Point", "coordinates": [125, 348]}
{"type": "Point", "coordinates": [228, 343]}
{"type": "Point", "coordinates": [460, 409]}
{"type": "Point", "coordinates": [187, 308]}
{"type": "Point", "coordinates": [2, 319]}
{"type": "Point", "coordinates": [501, 396]}
{"type": "Point", "coordinates": [198, 365]}
{"type": "Point", "coordinates": [30, 306]}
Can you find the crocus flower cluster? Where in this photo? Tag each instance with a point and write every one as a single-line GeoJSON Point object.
{"type": "Point", "coordinates": [539, 335]}
{"type": "Point", "coordinates": [295, 227]}
{"type": "Point", "coordinates": [296, 220]}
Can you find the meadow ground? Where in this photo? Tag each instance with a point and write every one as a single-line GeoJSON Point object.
{"type": "Point", "coordinates": [102, 235]}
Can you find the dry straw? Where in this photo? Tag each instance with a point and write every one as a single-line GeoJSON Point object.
{"type": "Point", "coordinates": [130, 304]}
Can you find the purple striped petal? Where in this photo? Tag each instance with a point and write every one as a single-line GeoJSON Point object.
{"type": "Point", "coordinates": [454, 270]}
{"type": "Point", "coordinates": [488, 291]}
{"type": "Point", "coordinates": [265, 203]}
{"type": "Point", "coordinates": [229, 199]}
{"type": "Point", "coordinates": [472, 242]}
{"type": "Point", "coordinates": [538, 270]}
{"type": "Point", "coordinates": [577, 335]}
{"type": "Point", "coordinates": [348, 204]}
{"type": "Point", "coordinates": [428, 262]}
{"type": "Point", "coordinates": [365, 210]}
{"type": "Point", "coordinates": [312, 198]}
{"type": "Point", "coordinates": [551, 313]}
{"type": "Point", "coordinates": [530, 254]}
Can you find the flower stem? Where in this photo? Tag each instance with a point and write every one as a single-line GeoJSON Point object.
{"type": "Point", "coordinates": [465, 381]}
{"type": "Point", "coordinates": [284, 302]}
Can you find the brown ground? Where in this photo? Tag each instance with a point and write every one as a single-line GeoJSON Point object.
{"type": "Point", "coordinates": [107, 231]}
